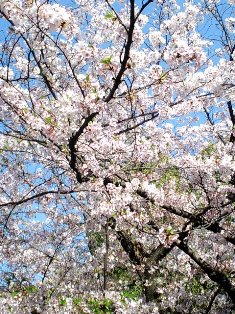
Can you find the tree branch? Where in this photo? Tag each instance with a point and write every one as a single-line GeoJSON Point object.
{"type": "Point", "coordinates": [126, 57]}
{"type": "Point", "coordinates": [214, 274]}
{"type": "Point", "coordinates": [72, 146]}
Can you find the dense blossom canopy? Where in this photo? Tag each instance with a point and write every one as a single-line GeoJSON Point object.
{"type": "Point", "coordinates": [117, 142]}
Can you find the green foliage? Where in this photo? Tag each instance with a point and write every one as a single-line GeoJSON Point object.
{"type": "Point", "coordinates": [15, 293]}
{"type": "Point", "coordinates": [171, 173]}
{"type": "Point", "coordinates": [106, 60]}
{"type": "Point", "coordinates": [208, 151]}
{"type": "Point", "coordinates": [97, 238]}
{"type": "Point", "coordinates": [77, 301]}
{"type": "Point", "coordinates": [31, 289]}
{"type": "Point", "coordinates": [121, 273]}
{"type": "Point", "coordinates": [148, 167]}
{"type": "Point", "coordinates": [87, 79]}
{"type": "Point", "coordinates": [217, 176]}
{"type": "Point", "coordinates": [195, 286]}
{"type": "Point", "coordinates": [94, 90]}
{"type": "Point", "coordinates": [101, 306]}
{"type": "Point", "coordinates": [133, 292]}
{"type": "Point", "coordinates": [163, 159]}
{"type": "Point", "coordinates": [50, 120]}
{"type": "Point", "coordinates": [49, 293]}
{"type": "Point", "coordinates": [95, 241]}
{"type": "Point", "coordinates": [196, 192]}
{"type": "Point", "coordinates": [19, 288]}
{"type": "Point", "coordinates": [63, 302]}
{"type": "Point", "coordinates": [6, 147]}
{"type": "Point", "coordinates": [230, 219]}
{"type": "Point", "coordinates": [170, 231]}
{"type": "Point", "coordinates": [109, 15]}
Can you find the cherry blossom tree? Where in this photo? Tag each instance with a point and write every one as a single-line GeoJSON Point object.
{"type": "Point", "coordinates": [117, 156]}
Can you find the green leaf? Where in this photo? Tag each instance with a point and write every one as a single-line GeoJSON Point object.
{"type": "Point", "coordinates": [121, 273]}
{"type": "Point", "coordinates": [195, 286]}
{"type": "Point", "coordinates": [31, 289]}
{"type": "Point", "coordinates": [26, 110]}
{"type": "Point", "coordinates": [133, 292]}
{"type": "Point", "coordinates": [106, 60]}
{"type": "Point", "coordinates": [208, 151]}
{"type": "Point", "coordinates": [163, 159]}
{"type": "Point", "coordinates": [101, 306]}
{"type": "Point", "coordinates": [87, 79]}
{"type": "Point", "coordinates": [171, 173]}
{"type": "Point", "coordinates": [170, 231]}
{"type": "Point", "coordinates": [50, 120]}
{"type": "Point", "coordinates": [15, 293]}
{"type": "Point", "coordinates": [97, 238]}
{"type": "Point", "coordinates": [77, 301]}
{"type": "Point", "coordinates": [6, 146]}
{"type": "Point", "coordinates": [63, 302]}
{"type": "Point", "coordinates": [109, 15]}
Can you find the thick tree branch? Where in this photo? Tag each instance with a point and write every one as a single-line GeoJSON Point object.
{"type": "Point", "coordinates": [126, 57]}
{"type": "Point", "coordinates": [214, 274]}
{"type": "Point", "coordinates": [213, 297]}
{"type": "Point", "coordinates": [173, 210]}
{"type": "Point", "coordinates": [134, 249]}
{"type": "Point", "coordinates": [72, 146]}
